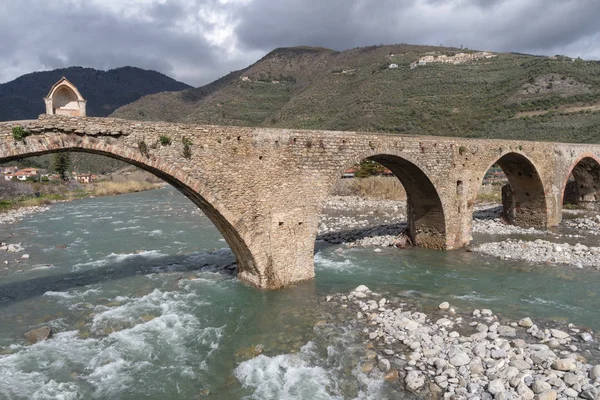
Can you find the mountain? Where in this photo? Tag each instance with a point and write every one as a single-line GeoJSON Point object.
{"type": "Point", "coordinates": [500, 95]}
{"type": "Point", "coordinates": [105, 91]}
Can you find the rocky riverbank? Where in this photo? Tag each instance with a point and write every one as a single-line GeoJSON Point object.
{"type": "Point", "coordinates": [355, 221]}
{"type": "Point", "coordinates": [358, 222]}
{"type": "Point", "coordinates": [542, 251]}
{"type": "Point", "coordinates": [452, 354]}
{"type": "Point", "coordinates": [12, 216]}
{"type": "Point", "coordinates": [589, 226]}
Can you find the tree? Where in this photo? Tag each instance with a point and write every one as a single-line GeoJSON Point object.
{"type": "Point", "coordinates": [61, 164]}
{"type": "Point", "coordinates": [369, 168]}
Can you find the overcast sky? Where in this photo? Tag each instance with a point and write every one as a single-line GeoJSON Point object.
{"type": "Point", "coordinates": [197, 41]}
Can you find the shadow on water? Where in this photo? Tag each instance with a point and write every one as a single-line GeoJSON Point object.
{"type": "Point", "coordinates": [13, 292]}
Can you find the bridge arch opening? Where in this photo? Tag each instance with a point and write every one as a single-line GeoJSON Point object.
{"type": "Point", "coordinates": [515, 181]}
{"type": "Point", "coordinates": [582, 186]}
{"type": "Point", "coordinates": [398, 200]}
{"type": "Point", "coordinates": [190, 189]}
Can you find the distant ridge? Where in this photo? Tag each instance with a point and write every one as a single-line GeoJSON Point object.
{"type": "Point", "coordinates": [511, 96]}
{"type": "Point", "coordinates": [105, 91]}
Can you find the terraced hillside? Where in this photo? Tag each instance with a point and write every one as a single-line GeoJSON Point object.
{"type": "Point", "coordinates": [508, 96]}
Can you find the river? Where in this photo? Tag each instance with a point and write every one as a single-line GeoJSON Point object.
{"type": "Point", "coordinates": [139, 292]}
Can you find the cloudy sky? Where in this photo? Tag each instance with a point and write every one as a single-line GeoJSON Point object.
{"type": "Point", "coordinates": [196, 41]}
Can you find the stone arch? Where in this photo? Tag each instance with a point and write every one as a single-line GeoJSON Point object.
{"type": "Point", "coordinates": [525, 203]}
{"type": "Point", "coordinates": [193, 189]}
{"type": "Point", "coordinates": [64, 99]}
{"type": "Point", "coordinates": [425, 211]}
{"type": "Point", "coordinates": [586, 185]}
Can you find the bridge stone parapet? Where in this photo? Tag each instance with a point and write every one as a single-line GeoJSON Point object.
{"type": "Point", "coordinates": [264, 188]}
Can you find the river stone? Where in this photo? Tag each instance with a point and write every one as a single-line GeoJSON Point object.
{"type": "Point", "coordinates": [564, 365]}
{"type": "Point", "coordinates": [547, 395]}
{"type": "Point", "coordinates": [586, 337]}
{"type": "Point", "coordinates": [496, 386]}
{"type": "Point", "coordinates": [570, 392]}
{"type": "Point", "coordinates": [521, 365]}
{"type": "Point", "coordinates": [362, 289]}
{"type": "Point", "coordinates": [524, 392]}
{"type": "Point", "coordinates": [497, 354]}
{"type": "Point", "coordinates": [457, 357]}
{"type": "Point", "coordinates": [526, 322]}
{"type": "Point", "coordinates": [367, 367]}
{"type": "Point", "coordinates": [507, 331]}
{"type": "Point", "coordinates": [414, 380]}
{"type": "Point", "coordinates": [595, 373]}
{"type": "Point", "coordinates": [590, 393]}
{"type": "Point", "coordinates": [384, 365]}
{"type": "Point", "coordinates": [570, 378]}
{"type": "Point", "coordinates": [38, 334]}
{"type": "Point", "coordinates": [444, 306]}
{"type": "Point", "coordinates": [540, 386]}
{"type": "Point", "coordinates": [509, 372]}
{"type": "Point", "coordinates": [559, 334]}
{"type": "Point", "coordinates": [391, 376]}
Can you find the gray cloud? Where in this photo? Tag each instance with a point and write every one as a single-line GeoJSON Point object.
{"type": "Point", "coordinates": [197, 41]}
{"type": "Point", "coordinates": [539, 26]}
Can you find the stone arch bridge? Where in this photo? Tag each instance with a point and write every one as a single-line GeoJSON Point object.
{"type": "Point", "coordinates": [264, 188]}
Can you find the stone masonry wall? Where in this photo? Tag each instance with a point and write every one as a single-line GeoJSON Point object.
{"type": "Point", "coordinates": [264, 188]}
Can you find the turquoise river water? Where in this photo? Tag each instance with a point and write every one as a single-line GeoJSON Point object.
{"type": "Point", "coordinates": [138, 291]}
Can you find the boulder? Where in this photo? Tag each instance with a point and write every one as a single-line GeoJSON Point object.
{"type": "Point", "coordinates": [496, 386]}
{"type": "Point", "coordinates": [564, 365]}
{"type": "Point", "coordinates": [414, 380]}
{"type": "Point", "coordinates": [547, 395]}
{"type": "Point", "coordinates": [526, 322]}
{"type": "Point", "coordinates": [458, 357]}
{"type": "Point", "coordinates": [540, 386]}
{"type": "Point", "coordinates": [595, 373]}
{"type": "Point", "coordinates": [559, 334]}
{"type": "Point", "coordinates": [38, 334]}
{"type": "Point", "coordinates": [507, 331]}
{"type": "Point", "coordinates": [362, 289]}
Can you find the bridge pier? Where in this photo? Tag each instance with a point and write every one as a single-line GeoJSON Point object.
{"type": "Point", "coordinates": [264, 188]}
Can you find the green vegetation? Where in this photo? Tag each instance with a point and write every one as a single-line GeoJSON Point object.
{"type": "Point", "coordinates": [164, 140]}
{"type": "Point", "coordinates": [368, 168]}
{"type": "Point", "coordinates": [19, 133]}
{"type": "Point", "coordinates": [355, 90]}
{"type": "Point", "coordinates": [62, 162]}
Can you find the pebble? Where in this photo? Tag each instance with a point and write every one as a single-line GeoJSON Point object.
{"type": "Point", "coordinates": [497, 359]}
{"type": "Point", "coordinates": [542, 251]}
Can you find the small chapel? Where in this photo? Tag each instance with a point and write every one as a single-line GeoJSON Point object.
{"type": "Point", "coordinates": [65, 99]}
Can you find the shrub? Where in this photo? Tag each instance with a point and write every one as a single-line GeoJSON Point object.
{"type": "Point", "coordinates": [461, 150]}
{"type": "Point", "coordinates": [143, 148]}
{"type": "Point", "coordinates": [187, 147]}
{"type": "Point", "coordinates": [164, 140]}
{"type": "Point", "coordinates": [19, 133]}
